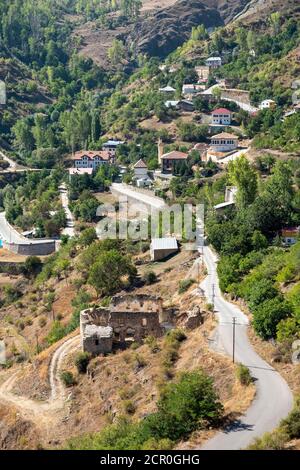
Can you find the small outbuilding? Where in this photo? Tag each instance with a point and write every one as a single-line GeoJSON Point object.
{"type": "Point", "coordinates": [140, 169]}
{"type": "Point", "coordinates": [163, 247]}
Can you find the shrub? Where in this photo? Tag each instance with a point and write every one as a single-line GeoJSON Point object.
{"type": "Point", "coordinates": [151, 341]}
{"type": "Point", "coordinates": [150, 278]}
{"type": "Point", "coordinates": [82, 361]}
{"type": "Point", "coordinates": [190, 403]}
{"type": "Point", "coordinates": [291, 425]}
{"type": "Point", "coordinates": [57, 332]}
{"type": "Point", "coordinates": [129, 407]}
{"type": "Point", "coordinates": [140, 361]}
{"type": "Point", "coordinates": [176, 335]}
{"type": "Point", "coordinates": [275, 440]}
{"type": "Point", "coordinates": [42, 322]}
{"type": "Point", "coordinates": [32, 266]}
{"type": "Point", "coordinates": [185, 285]}
{"type": "Point", "coordinates": [153, 444]}
{"type": "Point", "coordinates": [68, 378]}
{"type": "Point", "coordinates": [243, 375]}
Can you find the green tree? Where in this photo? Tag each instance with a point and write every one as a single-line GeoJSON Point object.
{"type": "Point", "coordinates": [267, 316]}
{"type": "Point", "coordinates": [116, 53]}
{"type": "Point", "coordinates": [107, 273]}
{"type": "Point", "coordinates": [244, 176]}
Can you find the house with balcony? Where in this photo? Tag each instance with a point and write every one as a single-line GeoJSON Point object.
{"type": "Point", "coordinates": [221, 146]}
{"type": "Point", "coordinates": [92, 159]}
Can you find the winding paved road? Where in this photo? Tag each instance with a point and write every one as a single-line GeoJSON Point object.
{"type": "Point", "coordinates": [274, 399]}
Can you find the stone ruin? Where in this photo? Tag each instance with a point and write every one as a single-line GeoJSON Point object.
{"type": "Point", "coordinates": [128, 319]}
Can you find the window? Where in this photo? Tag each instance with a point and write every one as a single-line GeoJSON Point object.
{"type": "Point", "coordinates": [144, 322]}
{"type": "Point", "coordinates": [96, 342]}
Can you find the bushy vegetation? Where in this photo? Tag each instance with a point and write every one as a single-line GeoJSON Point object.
{"type": "Point", "coordinates": [277, 440]}
{"type": "Point", "coordinates": [253, 262]}
{"type": "Point", "coordinates": [243, 374]}
{"type": "Point", "coordinates": [185, 405]}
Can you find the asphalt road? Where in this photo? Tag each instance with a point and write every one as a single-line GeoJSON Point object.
{"type": "Point", "coordinates": [139, 196]}
{"type": "Point", "coordinates": [274, 399]}
{"type": "Point", "coordinates": [69, 229]}
{"type": "Point", "coordinates": [8, 233]}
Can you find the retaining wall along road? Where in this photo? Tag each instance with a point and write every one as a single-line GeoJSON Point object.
{"type": "Point", "coordinates": [42, 248]}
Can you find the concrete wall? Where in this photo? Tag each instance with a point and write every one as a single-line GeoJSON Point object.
{"type": "Point", "coordinates": [235, 94]}
{"type": "Point", "coordinates": [157, 255]}
{"type": "Point", "coordinates": [41, 248]}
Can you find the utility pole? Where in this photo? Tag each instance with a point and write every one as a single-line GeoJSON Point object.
{"type": "Point", "coordinates": [213, 296]}
{"type": "Point", "coordinates": [37, 343]}
{"type": "Point", "coordinates": [233, 339]}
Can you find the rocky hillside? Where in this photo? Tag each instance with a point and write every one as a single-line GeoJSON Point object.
{"type": "Point", "coordinates": [164, 30]}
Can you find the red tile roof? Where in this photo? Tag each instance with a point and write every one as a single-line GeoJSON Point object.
{"type": "Point", "coordinates": [175, 155]}
{"type": "Point", "coordinates": [140, 164]}
{"type": "Point", "coordinates": [221, 111]}
{"type": "Point", "coordinates": [91, 154]}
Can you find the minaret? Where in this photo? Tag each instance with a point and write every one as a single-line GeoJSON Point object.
{"type": "Point", "coordinates": [160, 147]}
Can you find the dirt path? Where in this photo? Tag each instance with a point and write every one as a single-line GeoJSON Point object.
{"type": "Point", "coordinates": [45, 415]}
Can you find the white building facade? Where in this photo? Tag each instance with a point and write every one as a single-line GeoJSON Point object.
{"type": "Point", "coordinates": [221, 116]}
{"type": "Point", "coordinates": [224, 142]}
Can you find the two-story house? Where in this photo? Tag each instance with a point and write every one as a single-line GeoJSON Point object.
{"type": "Point", "coordinates": [171, 159]}
{"type": "Point", "coordinates": [112, 145]}
{"type": "Point", "coordinates": [221, 116]}
{"type": "Point", "coordinates": [92, 159]}
{"type": "Point", "coordinates": [214, 62]}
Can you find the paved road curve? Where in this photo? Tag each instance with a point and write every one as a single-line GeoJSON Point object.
{"type": "Point", "coordinates": [273, 400]}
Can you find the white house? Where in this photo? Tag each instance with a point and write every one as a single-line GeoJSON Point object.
{"type": "Point", "coordinates": [111, 146]}
{"type": "Point", "coordinates": [140, 169]}
{"type": "Point", "coordinates": [92, 159]}
{"type": "Point", "coordinates": [214, 62]}
{"type": "Point", "coordinates": [221, 116]}
{"type": "Point", "coordinates": [267, 104]}
{"type": "Point", "coordinates": [224, 142]}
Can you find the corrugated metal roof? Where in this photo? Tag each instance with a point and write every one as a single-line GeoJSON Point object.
{"type": "Point", "coordinates": [169, 243]}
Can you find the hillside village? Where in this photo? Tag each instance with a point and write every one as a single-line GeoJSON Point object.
{"type": "Point", "coordinates": [121, 343]}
